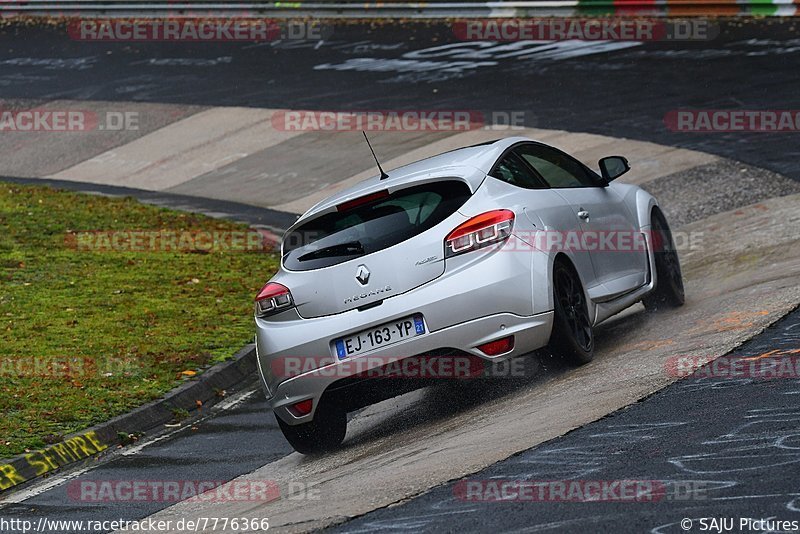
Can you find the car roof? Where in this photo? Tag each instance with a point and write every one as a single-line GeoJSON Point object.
{"type": "Point", "coordinates": [471, 164]}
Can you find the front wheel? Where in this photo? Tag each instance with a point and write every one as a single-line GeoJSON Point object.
{"type": "Point", "coordinates": [324, 433]}
{"type": "Point", "coordinates": [572, 336]}
{"type": "Point", "coordinates": [668, 292]}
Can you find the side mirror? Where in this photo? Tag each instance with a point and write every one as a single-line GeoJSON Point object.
{"type": "Point", "coordinates": [613, 167]}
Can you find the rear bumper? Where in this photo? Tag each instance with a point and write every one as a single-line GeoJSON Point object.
{"type": "Point", "coordinates": [530, 333]}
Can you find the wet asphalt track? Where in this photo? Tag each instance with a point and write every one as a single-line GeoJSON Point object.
{"type": "Point", "coordinates": [623, 93]}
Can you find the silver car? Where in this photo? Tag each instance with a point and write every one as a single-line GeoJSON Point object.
{"type": "Point", "coordinates": [482, 253]}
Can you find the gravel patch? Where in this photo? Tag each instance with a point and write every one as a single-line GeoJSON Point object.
{"type": "Point", "coordinates": [697, 193]}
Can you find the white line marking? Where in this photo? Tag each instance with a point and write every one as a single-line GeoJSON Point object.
{"type": "Point", "coordinates": [221, 406]}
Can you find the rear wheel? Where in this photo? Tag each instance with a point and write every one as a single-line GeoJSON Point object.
{"type": "Point", "coordinates": [572, 337]}
{"type": "Point", "coordinates": [324, 433]}
{"type": "Point", "coordinates": [668, 292]}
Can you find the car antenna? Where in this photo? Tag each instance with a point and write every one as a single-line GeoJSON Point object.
{"type": "Point", "coordinates": [383, 173]}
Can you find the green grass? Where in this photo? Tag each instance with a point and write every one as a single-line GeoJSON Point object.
{"type": "Point", "coordinates": [127, 323]}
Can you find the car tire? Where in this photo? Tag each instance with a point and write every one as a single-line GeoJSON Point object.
{"type": "Point", "coordinates": [669, 292]}
{"type": "Point", "coordinates": [324, 433]}
{"type": "Point", "coordinates": [572, 337]}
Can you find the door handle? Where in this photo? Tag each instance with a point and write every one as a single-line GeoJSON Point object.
{"type": "Point", "coordinates": [583, 214]}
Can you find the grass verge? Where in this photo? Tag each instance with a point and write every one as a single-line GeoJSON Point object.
{"type": "Point", "coordinates": [90, 329]}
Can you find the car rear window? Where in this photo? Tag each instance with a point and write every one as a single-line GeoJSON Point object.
{"type": "Point", "coordinates": [366, 228]}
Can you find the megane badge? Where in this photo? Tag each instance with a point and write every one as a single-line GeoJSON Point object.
{"type": "Point", "coordinates": [362, 275]}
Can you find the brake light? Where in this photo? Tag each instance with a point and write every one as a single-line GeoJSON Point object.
{"type": "Point", "coordinates": [480, 231]}
{"type": "Point", "coordinates": [360, 201]}
{"type": "Point", "coordinates": [273, 298]}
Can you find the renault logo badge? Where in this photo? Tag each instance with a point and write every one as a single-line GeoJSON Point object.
{"type": "Point", "coordinates": [362, 275]}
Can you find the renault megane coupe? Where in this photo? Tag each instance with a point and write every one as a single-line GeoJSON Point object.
{"type": "Point", "coordinates": [489, 251]}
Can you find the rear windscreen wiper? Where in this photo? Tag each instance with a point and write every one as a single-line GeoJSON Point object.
{"type": "Point", "coordinates": [343, 249]}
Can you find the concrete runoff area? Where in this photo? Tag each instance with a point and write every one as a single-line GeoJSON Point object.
{"type": "Point", "coordinates": [236, 154]}
{"type": "Point", "coordinates": [313, 161]}
{"type": "Point", "coordinates": [106, 126]}
{"type": "Point", "coordinates": [181, 150]}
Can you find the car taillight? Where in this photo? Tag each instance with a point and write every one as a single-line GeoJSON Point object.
{"type": "Point", "coordinates": [272, 298]}
{"type": "Point", "coordinates": [480, 231]}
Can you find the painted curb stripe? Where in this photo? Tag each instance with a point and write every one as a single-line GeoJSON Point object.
{"type": "Point", "coordinates": [87, 444]}
{"type": "Point", "coordinates": [41, 462]}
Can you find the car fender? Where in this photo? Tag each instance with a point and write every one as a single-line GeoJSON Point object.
{"type": "Point", "coordinates": [644, 204]}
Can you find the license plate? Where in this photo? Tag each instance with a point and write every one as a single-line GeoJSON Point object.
{"type": "Point", "coordinates": [380, 336]}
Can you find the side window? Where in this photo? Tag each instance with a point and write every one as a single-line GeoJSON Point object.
{"type": "Point", "coordinates": [557, 169]}
{"type": "Point", "coordinates": [512, 169]}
